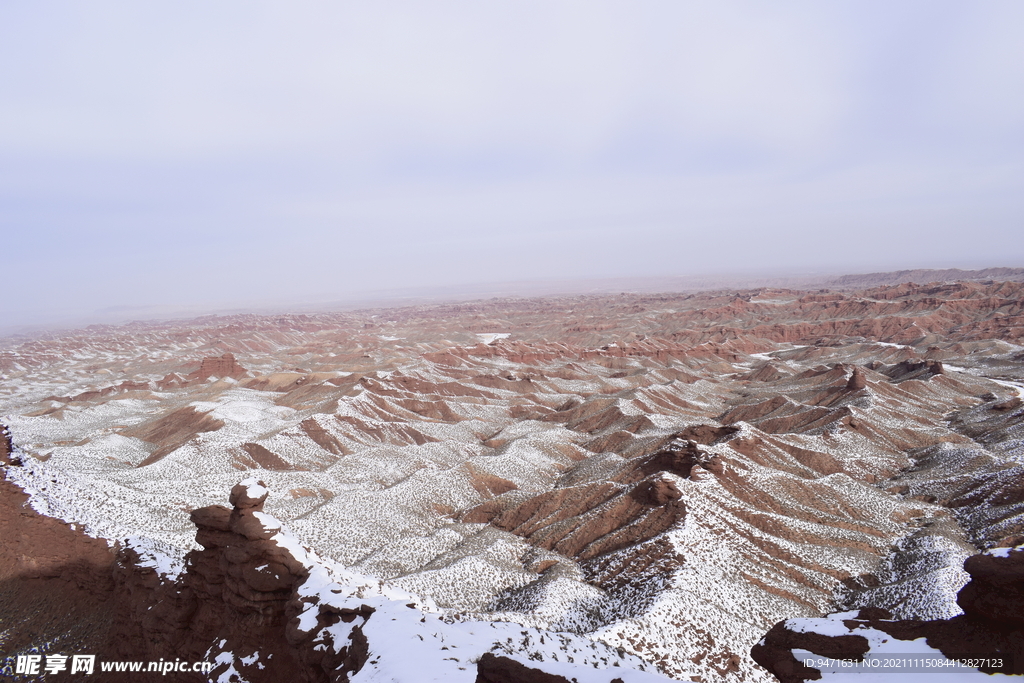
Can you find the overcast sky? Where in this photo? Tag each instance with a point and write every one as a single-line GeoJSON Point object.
{"type": "Point", "coordinates": [253, 153]}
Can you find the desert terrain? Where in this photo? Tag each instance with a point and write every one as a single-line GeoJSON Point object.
{"type": "Point", "coordinates": [621, 487]}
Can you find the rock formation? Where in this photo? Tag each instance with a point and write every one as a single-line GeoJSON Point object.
{"type": "Point", "coordinates": [991, 627]}
{"type": "Point", "coordinates": [235, 590]}
{"type": "Point", "coordinates": [220, 366]}
{"type": "Point", "coordinates": [5, 445]}
{"type": "Point", "coordinates": [856, 381]}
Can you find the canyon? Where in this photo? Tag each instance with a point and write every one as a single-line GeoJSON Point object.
{"type": "Point", "coordinates": [629, 487]}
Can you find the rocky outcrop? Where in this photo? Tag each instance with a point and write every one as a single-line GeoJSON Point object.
{"type": "Point", "coordinates": [995, 592]}
{"type": "Point", "coordinates": [238, 595]}
{"type": "Point", "coordinates": [775, 651]}
{"type": "Point", "coordinates": [67, 591]}
{"type": "Point", "coordinates": [6, 446]}
{"type": "Point", "coordinates": [494, 669]}
{"type": "Point", "coordinates": [705, 434]}
{"type": "Point", "coordinates": [915, 370]}
{"type": "Point", "coordinates": [235, 591]}
{"type": "Point", "coordinates": [219, 366]}
{"type": "Point", "coordinates": [679, 457]}
{"type": "Point", "coordinates": [992, 625]}
{"type": "Point", "coordinates": [633, 505]}
{"type": "Point", "coordinates": [584, 522]}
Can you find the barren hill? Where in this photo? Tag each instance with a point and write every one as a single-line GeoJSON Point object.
{"type": "Point", "coordinates": [667, 474]}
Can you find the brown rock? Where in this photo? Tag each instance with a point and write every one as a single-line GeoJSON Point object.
{"type": "Point", "coordinates": [706, 434]}
{"type": "Point", "coordinates": [222, 366]}
{"type": "Point", "coordinates": [245, 523]}
{"type": "Point", "coordinates": [241, 499]}
{"type": "Point", "coordinates": [487, 484]}
{"type": "Point", "coordinates": [996, 589]}
{"type": "Point", "coordinates": [1010, 404]}
{"type": "Point", "coordinates": [214, 517]}
{"type": "Point", "coordinates": [715, 465]}
{"type": "Point", "coordinates": [657, 492]}
{"type": "Point", "coordinates": [237, 590]}
{"type": "Point", "coordinates": [775, 651]}
{"type": "Point", "coordinates": [495, 669]}
{"type": "Point", "coordinates": [268, 577]}
{"type": "Point", "coordinates": [56, 583]}
{"type": "Point", "coordinates": [857, 380]}
{"type": "Point", "coordinates": [678, 459]}
{"type": "Point", "coordinates": [484, 513]}
{"type": "Point", "coordinates": [590, 520]}
{"type": "Point", "coordinates": [5, 445]}
{"type": "Point", "coordinates": [172, 431]}
{"type": "Point", "coordinates": [266, 458]}
{"type": "Point", "coordinates": [993, 604]}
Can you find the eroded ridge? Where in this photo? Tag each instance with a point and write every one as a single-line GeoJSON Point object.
{"type": "Point", "coordinates": [671, 474]}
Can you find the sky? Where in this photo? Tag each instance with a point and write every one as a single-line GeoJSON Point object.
{"type": "Point", "coordinates": [268, 154]}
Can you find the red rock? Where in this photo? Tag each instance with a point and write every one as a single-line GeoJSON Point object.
{"type": "Point", "coordinates": [1009, 404]}
{"type": "Point", "coordinates": [993, 603]}
{"type": "Point", "coordinates": [5, 445]}
{"type": "Point", "coordinates": [245, 523]}
{"type": "Point", "coordinates": [214, 517]}
{"type": "Point", "coordinates": [677, 458]}
{"type": "Point", "coordinates": [492, 668]}
{"type": "Point", "coordinates": [706, 434]}
{"type": "Point", "coordinates": [242, 496]}
{"type": "Point", "coordinates": [657, 492]}
{"type": "Point", "coordinates": [222, 366]}
{"type": "Point", "coordinates": [996, 588]}
{"type": "Point", "coordinates": [172, 431]}
{"type": "Point", "coordinates": [236, 590]}
{"type": "Point", "coordinates": [857, 380]}
{"type": "Point", "coordinates": [266, 458]}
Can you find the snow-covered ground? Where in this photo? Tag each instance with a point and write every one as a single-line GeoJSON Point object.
{"type": "Point", "coordinates": [412, 442]}
{"type": "Point", "coordinates": [887, 660]}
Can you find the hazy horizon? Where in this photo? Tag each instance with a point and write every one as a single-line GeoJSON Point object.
{"type": "Point", "coordinates": [243, 155]}
{"type": "Point", "coordinates": [465, 292]}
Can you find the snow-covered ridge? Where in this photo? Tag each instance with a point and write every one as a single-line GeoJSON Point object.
{"type": "Point", "coordinates": [411, 640]}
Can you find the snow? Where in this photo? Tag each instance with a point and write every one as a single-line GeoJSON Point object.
{"type": "Point", "coordinates": [832, 625]}
{"type": "Point", "coordinates": [1017, 387]}
{"type": "Point", "coordinates": [166, 560]}
{"type": "Point", "coordinates": [229, 675]}
{"type": "Point", "coordinates": [253, 488]}
{"type": "Point", "coordinates": [267, 521]}
{"type": "Point", "coordinates": [489, 337]}
{"type": "Point", "coordinates": [883, 647]}
{"type": "Point", "coordinates": [411, 640]}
